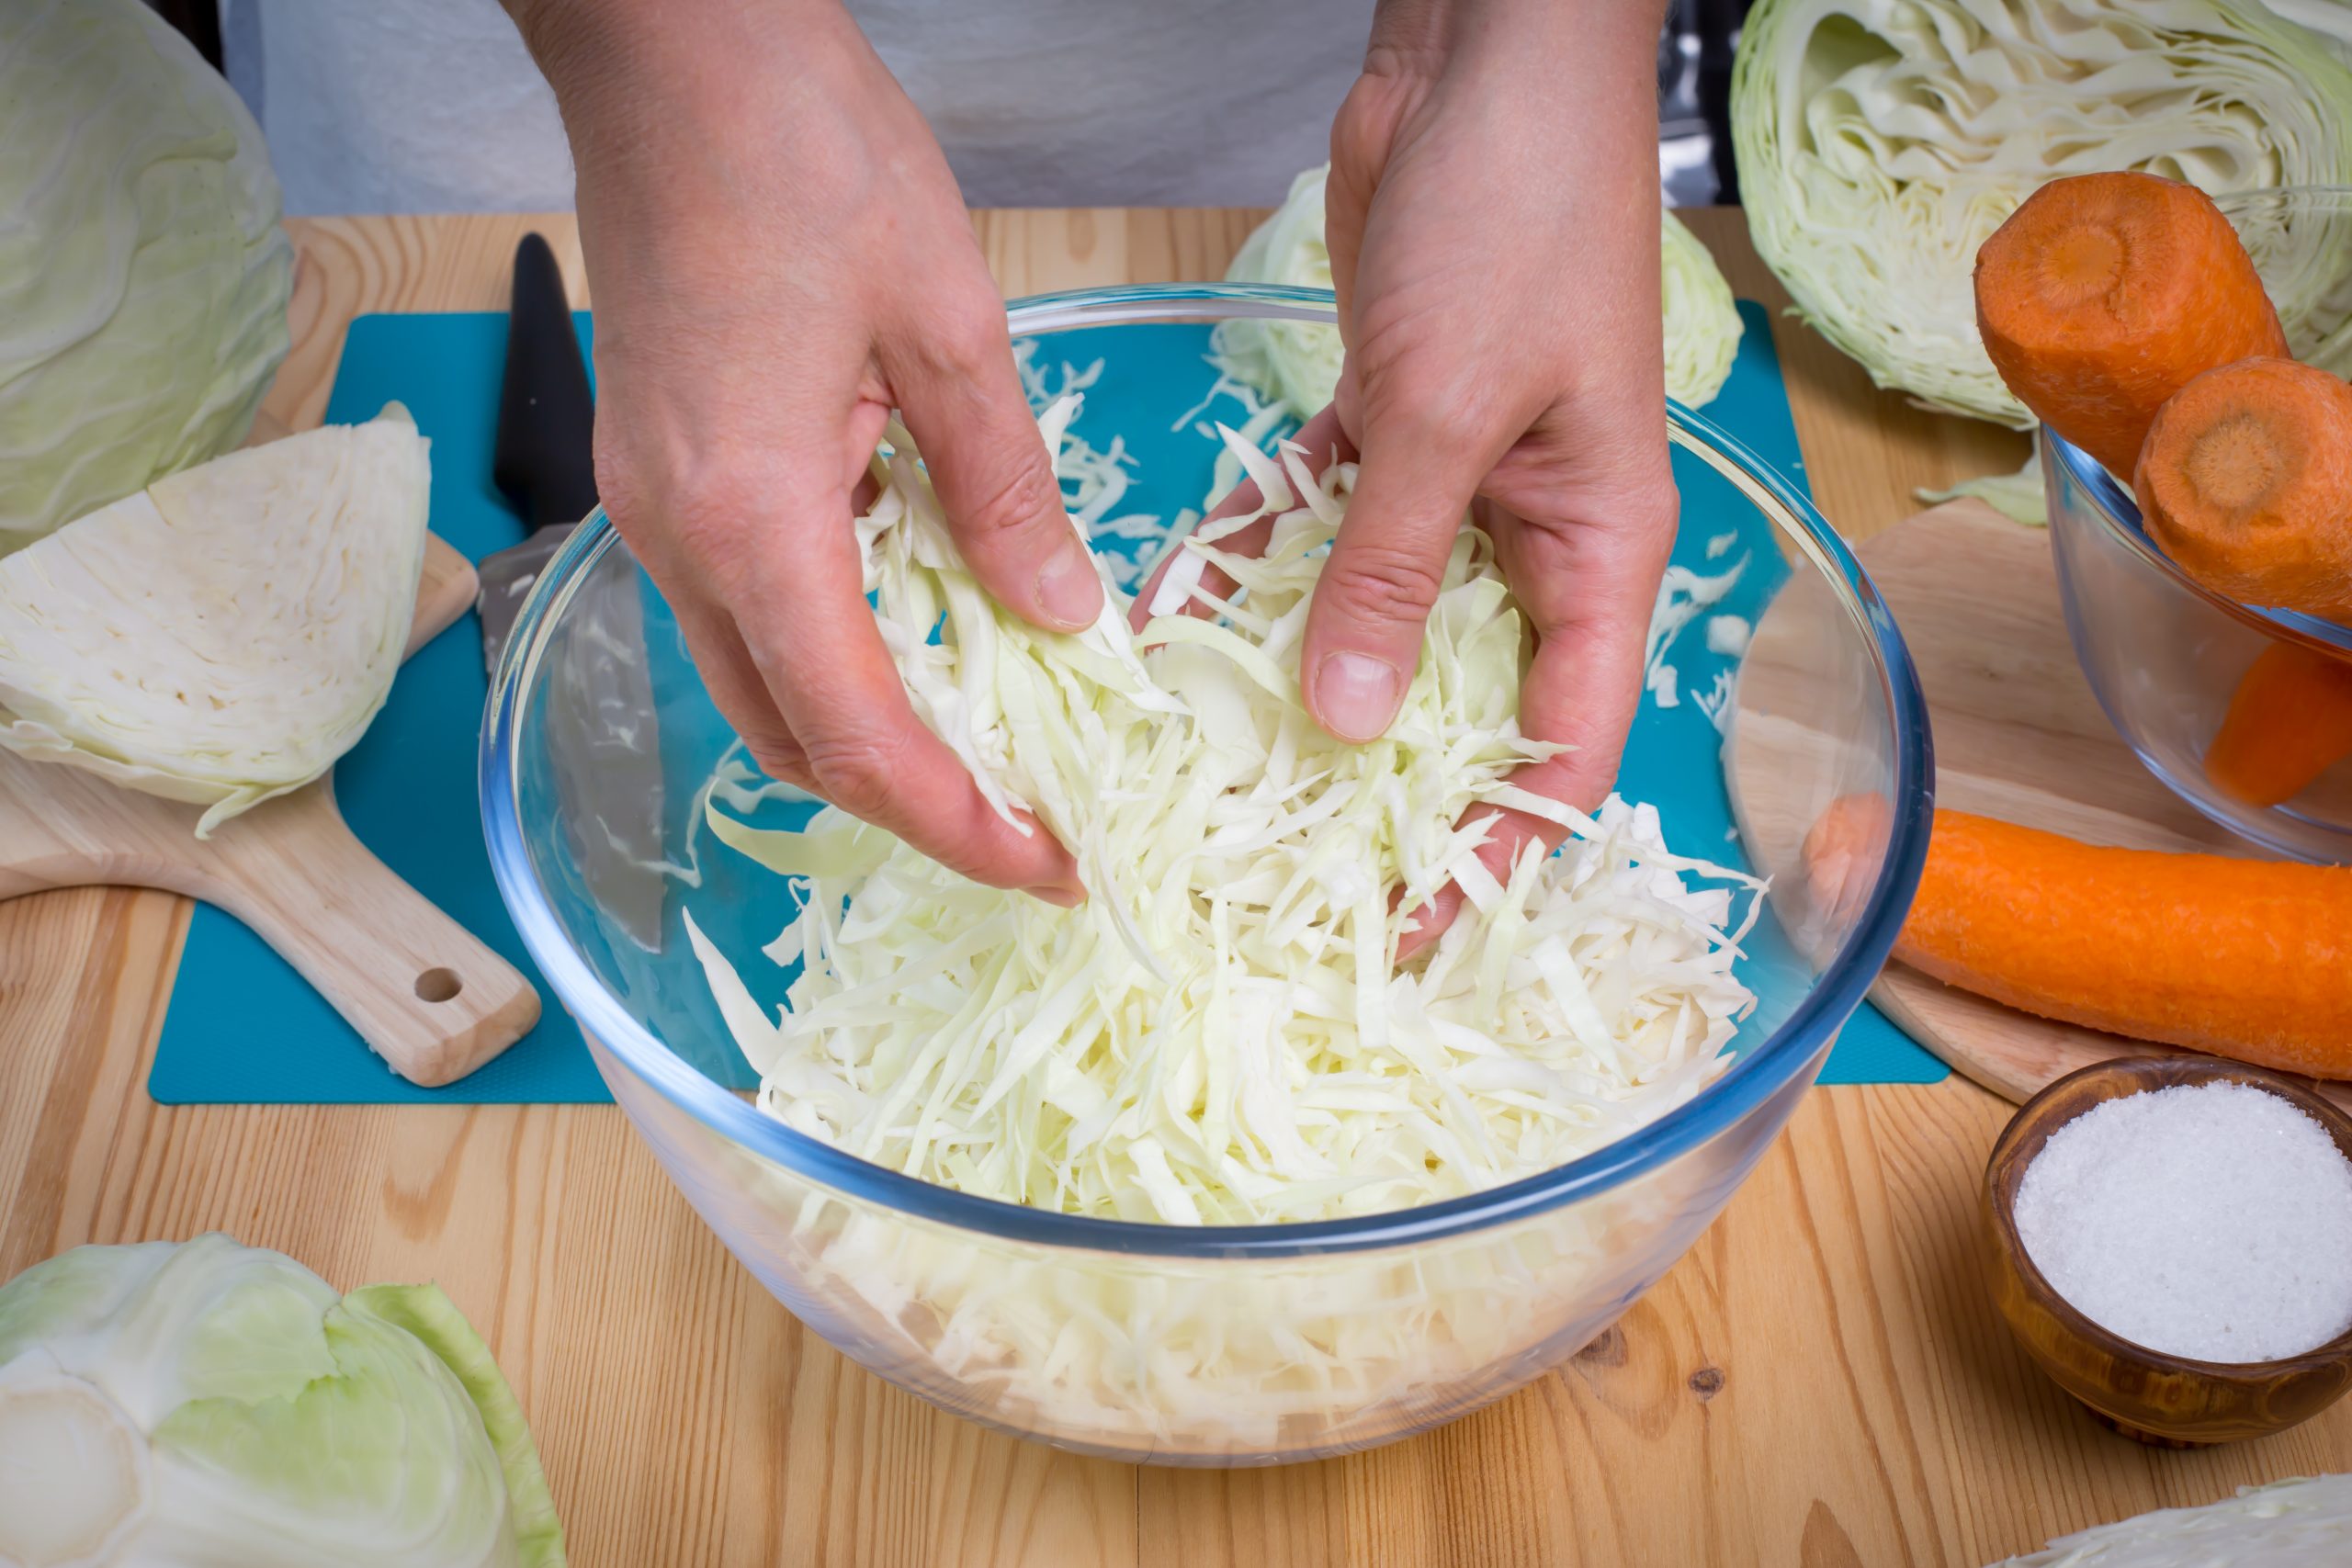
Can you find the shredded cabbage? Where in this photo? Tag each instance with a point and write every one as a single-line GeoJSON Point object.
{"type": "Point", "coordinates": [1297, 364]}
{"type": "Point", "coordinates": [1880, 142]}
{"type": "Point", "coordinates": [1219, 1035]}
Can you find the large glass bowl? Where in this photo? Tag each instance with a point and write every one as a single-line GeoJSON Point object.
{"type": "Point", "coordinates": [1227, 1346]}
{"type": "Point", "coordinates": [2165, 655]}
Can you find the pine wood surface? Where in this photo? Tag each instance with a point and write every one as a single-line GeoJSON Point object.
{"type": "Point", "coordinates": [1823, 1381]}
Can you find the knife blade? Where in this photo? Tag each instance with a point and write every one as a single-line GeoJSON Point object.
{"type": "Point", "coordinates": [602, 736]}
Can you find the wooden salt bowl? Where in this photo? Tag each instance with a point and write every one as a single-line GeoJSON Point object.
{"type": "Point", "coordinates": [2167, 1401]}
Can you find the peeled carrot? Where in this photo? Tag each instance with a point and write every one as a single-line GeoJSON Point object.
{"type": "Point", "coordinates": [2289, 722]}
{"type": "Point", "coordinates": [2246, 481]}
{"type": "Point", "coordinates": [2247, 959]}
{"type": "Point", "coordinates": [2103, 295]}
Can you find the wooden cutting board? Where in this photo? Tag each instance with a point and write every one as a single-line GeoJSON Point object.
{"type": "Point", "coordinates": [2018, 736]}
{"type": "Point", "coordinates": [431, 999]}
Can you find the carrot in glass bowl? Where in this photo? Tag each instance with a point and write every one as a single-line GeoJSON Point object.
{"type": "Point", "coordinates": [2103, 295]}
{"type": "Point", "coordinates": [2246, 480]}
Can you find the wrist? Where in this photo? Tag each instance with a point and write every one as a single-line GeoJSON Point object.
{"type": "Point", "coordinates": [1429, 36]}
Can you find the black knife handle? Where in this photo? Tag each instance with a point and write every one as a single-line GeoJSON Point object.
{"type": "Point", "coordinates": [545, 461]}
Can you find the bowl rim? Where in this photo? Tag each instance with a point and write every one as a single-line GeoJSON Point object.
{"type": "Point", "coordinates": [2033, 1124]}
{"type": "Point", "coordinates": [1755, 1074]}
{"type": "Point", "coordinates": [2117, 511]}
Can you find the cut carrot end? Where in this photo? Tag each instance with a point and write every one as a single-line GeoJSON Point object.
{"type": "Point", "coordinates": [2103, 294]}
{"type": "Point", "coordinates": [2238, 464]}
{"type": "Point", "coordinates": [2081, 266]}
{"type": "Point", "coordinates": [2245, 481]}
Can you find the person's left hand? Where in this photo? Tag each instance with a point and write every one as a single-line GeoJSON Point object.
{"type": "Point", "coordinates": [1492, 215]}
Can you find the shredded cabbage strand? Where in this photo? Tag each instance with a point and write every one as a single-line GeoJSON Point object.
{"type": "Point", "coordinates": [1219, 1035]}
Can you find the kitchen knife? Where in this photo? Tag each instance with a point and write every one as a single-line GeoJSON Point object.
{"type": "Point", "coordinates": [602, 734]}
{"type": "Point", "coordinates": [545, 460]}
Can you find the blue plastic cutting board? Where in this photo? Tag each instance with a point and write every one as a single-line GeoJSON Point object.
{"type": "Point", "coordinates": [243, 1028]}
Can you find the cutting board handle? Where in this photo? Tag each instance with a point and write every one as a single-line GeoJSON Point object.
{"type": "Point", "coordinates": [423, 990]}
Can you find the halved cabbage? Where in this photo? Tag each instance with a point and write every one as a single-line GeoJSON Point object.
{"type": "Point", "coordinates": [225, 635]}
{"type": "Point", "coordinates": [1880, 142]}
{"type": "Point", "coordinates": [203, 1403]}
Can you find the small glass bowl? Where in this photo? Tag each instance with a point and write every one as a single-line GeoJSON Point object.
{"type": "Point", "coordinates": [2167, 656]}
{"type": "Point", "coordinates": [1212, 1346]}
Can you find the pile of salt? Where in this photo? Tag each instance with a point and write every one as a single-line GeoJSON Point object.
{"type": "Point", "coordinates": [2212, 1221]}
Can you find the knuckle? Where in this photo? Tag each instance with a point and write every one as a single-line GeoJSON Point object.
{"type": "Point", "coordinates": [859, 774]}
{"type": "Point", "coordinates": [1010, 497]}
{"type": "Point", "coordinates": [1440, 415]}
{"type": "Point", "coordinates": [966, 340]}
{"type": "Point", "coordinates": [778, 755]}
{"type": "Point", "coordinates": [1383, 583]}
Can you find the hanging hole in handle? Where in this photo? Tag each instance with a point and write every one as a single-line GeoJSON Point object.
{"type": "Point", "coordinates": [438, 985]}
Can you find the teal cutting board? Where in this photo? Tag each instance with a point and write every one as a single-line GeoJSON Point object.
{"type": "Point", "coordinates": [243, 1027]}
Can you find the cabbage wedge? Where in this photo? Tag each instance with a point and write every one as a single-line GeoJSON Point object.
{"type": "Point", "coordinates": [223, 636]}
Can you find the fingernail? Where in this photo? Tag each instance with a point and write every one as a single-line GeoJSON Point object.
{"type": "Point", "coordinates": [1067, 589]}
{"type": "Point", "coordinates": [1067, 897]}
{"type": "Point", "coordinates": [1357, 694]}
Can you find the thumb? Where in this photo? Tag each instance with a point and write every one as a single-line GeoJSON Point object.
{"type": "Point", "coordinates": [965, 407]}
{"type": "Point", "coordinates": [1421, 463]}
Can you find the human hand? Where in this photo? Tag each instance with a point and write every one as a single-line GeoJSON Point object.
{"type": "Point", "coordinates": [779, 256]}
{"type": "Point", "coordinates": [1492, 216]}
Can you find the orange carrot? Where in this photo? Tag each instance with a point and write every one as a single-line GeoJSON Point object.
{"type": "Point", "coordinates": [2103, 294]}
{"type": "Point", "coordinates": [2246, 481]}
{"type": "Point", "coordinates": [2289, 722]}
{"type": "Point", "coordinates": [2248, 959]}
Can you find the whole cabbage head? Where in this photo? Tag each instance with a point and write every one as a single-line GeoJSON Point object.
{"type": "Point", "coordinates": [203, 1404]}
{"type": "Point", "coordinates": [1880, 142]}
{"type": "Point", "coordinates": [143, 277]}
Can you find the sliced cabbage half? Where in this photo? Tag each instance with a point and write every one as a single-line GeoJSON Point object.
{"type": "Point", "coordinates": [1880, 142]}
{"type": "Point", "coordinates": [223, 636]}
{"type": "Point", "coordinates": [203, 1404]}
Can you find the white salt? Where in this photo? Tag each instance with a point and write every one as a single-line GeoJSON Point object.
{"type": "Point", "coordinates": [2212, 1221]}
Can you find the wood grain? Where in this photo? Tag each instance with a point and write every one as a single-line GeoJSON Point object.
{"type": "Point", "coordinates": [1823, 1381]}
{"type": "Point", "coordinates": [2018, 736]}
{"type": "Point", "coordinates": [425, 994]}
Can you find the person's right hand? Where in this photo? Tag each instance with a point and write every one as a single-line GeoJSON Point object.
{"type": "Point", "coordinates": [779, 256]}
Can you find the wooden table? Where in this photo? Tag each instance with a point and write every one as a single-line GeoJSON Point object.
{"type": "Point", "coordinates": [1822, 1381]}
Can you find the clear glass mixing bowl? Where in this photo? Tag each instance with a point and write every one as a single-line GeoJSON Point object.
{"type": "Point", "coordinates": [1227, 1346]}
{"type": "Point", "coordinates": [2165, 655]}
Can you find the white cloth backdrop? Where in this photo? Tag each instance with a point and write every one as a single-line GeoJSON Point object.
{"type": "Point", "coordinates": [432, 105]}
